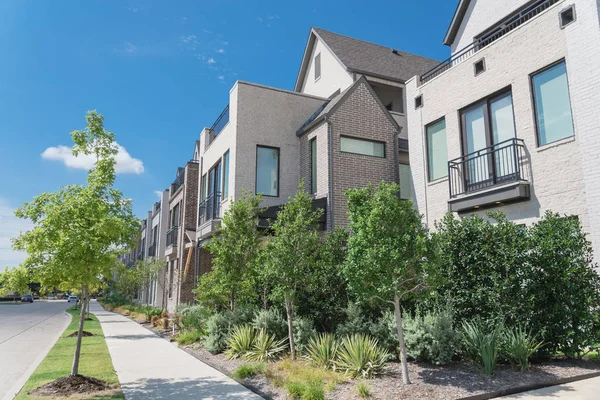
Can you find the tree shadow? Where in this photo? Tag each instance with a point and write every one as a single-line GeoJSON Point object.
{"type": "Point", "coordinates": [186, 388]}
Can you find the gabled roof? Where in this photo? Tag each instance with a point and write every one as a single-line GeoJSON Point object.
{"type": "Point", "coordinates": [330, 106]}
{"type": "Point", "coordinates": [457, 19]}
{"type": "Point", "coordinates": [366, 58]}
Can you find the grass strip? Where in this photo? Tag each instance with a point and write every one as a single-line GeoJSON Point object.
{"type": "Point", "coordinates": [95, 360]}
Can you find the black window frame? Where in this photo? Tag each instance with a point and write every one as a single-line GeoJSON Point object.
{"type": "Point", "coordinates": [434, 122]}
{"type": "Point", "coordinates": [278, 169]}
{"type": "Point", "coordinates": [364, 140]}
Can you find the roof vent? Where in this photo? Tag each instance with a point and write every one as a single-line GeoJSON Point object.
{"type": "Point", "coordinates": [396, 52]}
{"type": "Point", "coordinates": [567, 16]}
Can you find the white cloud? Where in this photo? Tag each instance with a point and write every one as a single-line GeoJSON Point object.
{"type": "Point", "coordinates": [207, 31]}
{"type": "Point", "coordinates": [10, 226]}
{"type": "Point", "coordinates": [221, 77]}
{"type": "Point", "coordinates": [134, 9]}
{"type": "Point", "coordinates": [188, 39]}
{"type": "Point", "coordinates": [221, 51]}
{"type": "Point", "coordinates": [130, 47]}
{"type": "Point", "coordinates": [158, 193]}
{"type": "Point", "coordinates": [125, 163]}
{"type": "Point", "coordinates": [224, 43]}
{"type": "Point", "coordinates": [211, 61]}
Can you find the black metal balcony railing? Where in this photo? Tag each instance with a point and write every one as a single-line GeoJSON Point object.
{"type": "Point", "coordinates": [219, 124]}
{"type": "Point", "coordinates": [489, 36]}
{"type": "Point", "coordinates": [485, 168]}
{"type": "Point", "coordinates": [209, 208]}
{"type": "Point", "coordinates": [152, 250]}
{"type": "Point", "coordinates": [179, 179]}
{"type": "Point", "coordinates": [172, 236]}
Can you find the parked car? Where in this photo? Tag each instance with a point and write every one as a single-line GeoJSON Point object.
{"type": "Point", "coordinates": [73, 299]}
{"type": "Point", "coordinates": [27, 298]}
{"type": "Point", "coordinates": [51, 297]}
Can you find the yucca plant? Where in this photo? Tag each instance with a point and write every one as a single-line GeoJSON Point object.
{"type": "Point", "coordinates": [266, 348]}
{"type": "Point", "coordinates": [240, 341]}
{"type": "Point", "coordinates": [360, 356]}
{"type": "Point", "coordinates": [322, 350]}
{"type": "Point", "coordinates": [482, 344]}
{"type": "Point", "coordinates": [519, 346]}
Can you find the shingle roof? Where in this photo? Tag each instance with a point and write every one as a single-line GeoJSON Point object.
{"type": "Point", "coordinates": [375, 60]}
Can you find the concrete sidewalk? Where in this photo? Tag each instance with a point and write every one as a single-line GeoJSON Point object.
{"type": "Point", "coordinates": [150, 367]}
{"type": "Point", "coordinates": [588, 389]}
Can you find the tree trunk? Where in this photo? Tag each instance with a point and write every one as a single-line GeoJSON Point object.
{"type": "Point", "coordinates": [75, 368]}
{"type": "Point", "coordinates": [403, 363]}
{"type": "Point", "coordinates": [289, 308]}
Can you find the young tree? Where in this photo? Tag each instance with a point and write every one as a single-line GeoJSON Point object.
{"type": "Point", "coordinates": [387, 250]}
{"type": "Point", "coordinates": [292, 252]}
{"type": "Point", "coordinates": [15, 280]}
{"type": "Point", "coordinates": [78, 229]}
{"type": "Point", "coordinates": [235, 249]}
{"type": "Point", "coordinates": [132, 281]}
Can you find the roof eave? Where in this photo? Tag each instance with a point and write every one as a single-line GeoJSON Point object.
{"type": "Point", "coordinates": [459, 14]}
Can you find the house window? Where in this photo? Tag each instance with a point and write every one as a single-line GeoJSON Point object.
{"type": "Point", "coordinates": [405, 182]}
{"type": "Point", "coordinates": [313, 165]}
{"type": "Point", "coordinates": [437, 150]}
{"type": "Point", "coordinates": [552, 105]}
{"type": "Point", "coordinates": [203, 188]}
{"type": "Point", "coordinates": [317, 66]}
{"type": "Point", "coordinates": [175, 216]}
{"type": "Point", "coordinates": [214, 180]}
{"type": "Point", "coordinates": [267, 171]}
{"type": "Point", "coordinates": [362, 146]}
{"type": "Point", "coordinates": [226, 175]}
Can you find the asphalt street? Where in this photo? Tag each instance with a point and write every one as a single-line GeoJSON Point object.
{"type": "Point", "coordinates": [27, 333]}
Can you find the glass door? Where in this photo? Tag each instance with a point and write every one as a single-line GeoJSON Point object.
{"type": "Point", "coordinates": [477, 164]}
{"type": "Point", "coordinates": [503, 130]}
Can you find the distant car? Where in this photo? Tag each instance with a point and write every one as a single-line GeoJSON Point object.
{"type": "Point", "coordinates": [27, 298]}
{"type": "Point", "coordinates": [51, 297]}
{"type": "Point", "coordinates": [74, 299]}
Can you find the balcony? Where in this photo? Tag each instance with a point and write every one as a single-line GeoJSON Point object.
{"type": "Point", "coordinates": [152, 250]}
{"type": "Point", "coordinates": [171, 243]}
{"type": "Point", "coordinates": [219, 124]}
{"type": "Point", "coordinates": [489, 36]}
{"type": "Point", "coordinates": [209, 214]}
{"type": "Point", "coordinates": [492, 176]}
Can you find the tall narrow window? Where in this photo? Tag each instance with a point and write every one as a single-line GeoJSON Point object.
{"type": "Point", "coordinates": [313, 165]}
{"type": "Point", "coordinates": [267, 171]}
{"type": "Point", "coordinates": [405, 182]}
{"type": "Point", "coordinates": [203, 188]}
{"type": "Point", "coordinates": [226, 175]}
{"type": "Point", "coordinates": [437, 150]}
{"type": "Point", "coordinates": [317, 66]}
{"type": "Point", "coordinates": [552, 104]}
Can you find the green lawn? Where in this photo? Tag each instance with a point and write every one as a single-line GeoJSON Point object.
{"type": "Point", "coordinates": [95, 360]}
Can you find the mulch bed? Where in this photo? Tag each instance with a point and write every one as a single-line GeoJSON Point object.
{"type": "Point", "coordinates": [84, 333]}
{"type": "Point", "coordinates": [71, 385]}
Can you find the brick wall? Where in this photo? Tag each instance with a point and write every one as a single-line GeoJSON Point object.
{"type": "Point", "coordinates": [320, 133]}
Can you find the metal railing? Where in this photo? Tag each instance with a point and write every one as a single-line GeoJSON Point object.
{"type": "Point", "coordinates": [209, 208]}
{"type": "Point", "coordinates": [152, 250]}
{"type": "Point", "coordinates": [219, 124]}
{"type": "Point", "coordinates": [179, 179]}
{"type": "Point", "coordinates": [495, 165]}
{"type": "Point", "coordinates": [172, 236]}
{"type": "Point", "coordinates": [489, 36]}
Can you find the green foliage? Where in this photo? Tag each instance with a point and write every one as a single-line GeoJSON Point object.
{"type": "Point", "coordinates": [266, 348]}
{"type": "Point", "coordinates": [15, 280]}
{"type": "Point", "coordinates": [249, 370]}
{"type": "Point", "coordinates": [241, 341]}
{"type": "Point", "coordinates": [195, 317]}
{"type": "Point", "coordinates": [361, 356]}
{"type": "Point", "coordinates": [482, 344]}
{"type": "Point", "coordinates": [364, 390]}
{"type": "Point", "coordinates": [295, 389]}
{"type": "Point", "coordinates": [386, 333]}
{"type": "Point", "coordinates": [322, 350]}
{"type": "Point", "coordinates": [313, 389]}
{"type": "Point", "coordinates": [292, 252]}
{"type": "Point", "coordinates": [270, 321]}
{"type": "Point", "coordinates": [304, 330]}
{"type": "Point", "coordinates": [188, 337]}
{"type": "Point", "coordinates": [431, 336]}
{"type": "Point", "coordinates": [356, 322]}
{"type": "Point", "coordinates": [519, 345]}
{"type": "Point", "coordinates": [235, 250]}
{"type": "Point", "coordinates": [217, 329]}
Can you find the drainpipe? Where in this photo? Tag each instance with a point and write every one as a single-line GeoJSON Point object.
{"type": "Point", "coordinates": [330, 149]}
{"type": "Point", "coordinates": [396, 162]}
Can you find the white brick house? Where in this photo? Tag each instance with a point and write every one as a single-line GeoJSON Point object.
{"type": "Point", "coordinates": [510, 122]}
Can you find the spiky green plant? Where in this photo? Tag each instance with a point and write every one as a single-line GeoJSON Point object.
{"type": "Point", "coordinates": [519, 346]}
{"type": "Point", "coordinates": [322, 350]}
{"type": "Point", "coordinates": [482, 344]}
{"type": "Point", "coordinates": [364, 390]}
{"type": "Point", "coordinates": [360, 356]}
{"type": "Point", "coordinates": [266, 348]}
{"type": "Point", "coordinates": [240, 341]}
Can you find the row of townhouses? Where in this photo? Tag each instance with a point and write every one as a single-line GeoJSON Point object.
{"type": "Point", "coordinates": [509, 122]}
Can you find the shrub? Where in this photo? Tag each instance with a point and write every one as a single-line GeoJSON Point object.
{"type": "Point", "coordinates": [249, 370]}
{"type": "Point", "coordinates": [188, 336]}
{"type": "Point", "coordinates": [272, 322]}
{"type": "Point", "coordinates": [304, 330]}
{"type": "Point", "coordinates": [165, 322]}
{"type": "Point", "coordinates": [482, 344]}
{"type": "Point", "coordinates": [241, 341]}
{"type": "Point", "coordinates": [164, 314]}
{"type": "Point", "coordinates": [217, 329]}
{"type": "Point", "coordinates": [195, 317]}
{"type": "Point", "coordinates": [431, 337]}
{"type": "Point", "coordinates": [519, 346]}
{"type": "Point", "coordinates": [322, 350]}
{"type": "Point", "coordinates": [154, 320]}
{"type": "Point", "coordinates": [355, 323]}
{"type": "Point", "coordinates": [314, 390]}
{"type": "Point", "coordinates": [364, 391]}
{"type": "Point", "coordinates": [295, 389]}
{"type": "Point", "coordinates": [386, 333]}
{"type": "Point", "coordinates": [266, 348]}
{"type": "Point", "coordinates": [360, 356]}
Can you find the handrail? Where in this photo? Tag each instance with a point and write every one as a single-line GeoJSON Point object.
{"type": "Point", "coordinates": [221, 121]}
{"type": "Point", "coordinates": [172, 236]}
{"type": "Point", "coordinates": [209, 208]}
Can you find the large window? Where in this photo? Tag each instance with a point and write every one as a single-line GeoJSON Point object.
{"type": "Point", "coordinates": [267, 171]}
{"type": "Point", "coordinates": [313, 165]}
{"type": "Point", "coordinates": [552, 104]}
{"type": "Point", "coordinates": [405, 182]}
{"type": "Point", "coordinates": [317, 66]}
{"type": "Point", "coordinates": [203, 188]}
{"type": "Point", "coordinates": [437, 150]}
{"type": "Point", "coordinates": [362, 146]}
{"type": "Point", "coordinates": [226, 175]}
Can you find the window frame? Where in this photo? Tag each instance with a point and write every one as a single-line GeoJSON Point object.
{"type": "Point", "coordinates": [278, 169]}
{"type": "Point", "coordinates": [410, 188]}
{"type": "Point", "coordinates": [364, 140]}
{"type": "Point", "coordinates": [432, 123]}
{"type": "Point", "coordinates": [225, 175]}
{"type": "Point", "coordinates": [534, 105]}
{"type": "Point", "coordinates": [317, 57]}
{"type": "Point", "coordinates": [313, 165]}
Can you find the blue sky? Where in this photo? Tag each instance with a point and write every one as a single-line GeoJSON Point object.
{"type": "Point", "coordinates": [159, 71]}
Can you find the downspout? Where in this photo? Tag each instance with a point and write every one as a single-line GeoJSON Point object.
{"type": "Point", "coordinates": [396, 135]}
{"type": "Point", "coordinates": [330, 149]}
